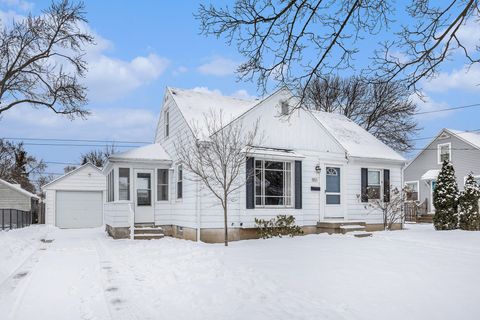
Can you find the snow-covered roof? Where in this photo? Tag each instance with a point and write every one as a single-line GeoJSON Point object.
{"type": "Point", "coordinates": [273, 152]}
{"type": "Point", "coordinates": [356, 140]}
{"type": "Point", "coordinates": [195, 103]}
{"type": "Point", "coordinates": [150, 152]}
{"type": "Point", "coordinates": [430, 174]}
{"type": "Point", "coordinates": [471, 137]}
{"type": "Point", "coordinates": [16, 187]}
{"type": "Point", "coordinates": [88, 164]}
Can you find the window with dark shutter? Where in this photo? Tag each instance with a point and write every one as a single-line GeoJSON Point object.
{"type": "Point", "coordinates": [364, 185]}
{"type": "Point", "coordinates": [298, 184]}
{"type": "Point", "coordinates": [250, 185]}
{"type": "Point", "coordinates": [386, 185]}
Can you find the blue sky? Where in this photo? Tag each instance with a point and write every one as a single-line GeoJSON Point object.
{"type": "Point", "coordinates": [144, 46]}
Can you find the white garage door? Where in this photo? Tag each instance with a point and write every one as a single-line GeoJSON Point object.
{"type": "Point", "coordinates": [79, 209]}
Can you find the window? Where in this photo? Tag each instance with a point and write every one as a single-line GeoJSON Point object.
{"type": "Point", "coordinates": [179, 181]}
{"type": "Point", "coordinates": [412, 190]}
{"type": "Point", "coordinates": [374, 184]}
{"type": "Point", "coordinates": [144, 189]}
{"type": "Point", "coordinates": [110, 186]}
{"type": "Point", "coordinates": [332, 187]}
{"type": "Point", "coordinates": [123, 184]}
{"type": "Point", "coordinates": [284, 108]}
{"type": "Point", "coordinates": [444, 152]}
{"type": "Point", "coordinates": [167, 123]}
{"type": "Point", "coordinates": [273, 183]}
{"type": "Point", "coordinates": [162, 184]}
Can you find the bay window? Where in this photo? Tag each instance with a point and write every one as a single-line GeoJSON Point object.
{"type": "Point", "coordinates": [273, 183]}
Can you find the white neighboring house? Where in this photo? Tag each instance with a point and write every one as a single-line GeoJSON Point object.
{"type": "Point", "coordinates": [75, 200]}
{"type": "Point", "coordinates": [331, 168]}
{"type": "Point", "coordinates": [12, 196]}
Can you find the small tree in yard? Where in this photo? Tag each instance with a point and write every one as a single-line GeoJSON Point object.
{"type": "Point", "coordinates": [217, 160]}
{"type": "Point", "coordinates": [445, 199]}
{"type": "Point", "coordinates": [468, 205]}
{"type": "Point", "coordinates": [392, 210]}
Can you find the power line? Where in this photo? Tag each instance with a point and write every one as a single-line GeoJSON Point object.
{"type": "Point", "coordinates": [75, 140]}
{"type": "Point", "coordinates": [75, 145]}
{"type": "Point", "coordinates": [449, 109]}
{"type": "Point", "coordinates": [464, 131]}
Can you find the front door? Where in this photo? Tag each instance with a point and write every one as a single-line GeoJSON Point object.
{"type": "Point", "coordinates": [144, 210]}
{"type": "Point", "coordinates": [333, 192]}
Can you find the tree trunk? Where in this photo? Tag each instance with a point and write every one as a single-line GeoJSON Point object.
{"type": "Point", "coordinates": [225, 222]}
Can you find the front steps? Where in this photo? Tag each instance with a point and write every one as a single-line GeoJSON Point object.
{"type": "Point", "coordinates": [356, 228]}
{"type": "Point", "coordinates": [425, 218]}
{"type": "Point", "coordinates": [147, 232]}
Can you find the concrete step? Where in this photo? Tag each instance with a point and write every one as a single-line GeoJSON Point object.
{"type": "Point", "coordinates": [361, 234]}
{"type": "Point", "coordinates": [144, 225]}
{"type": "Point", "coordinates": [428, 218]}
{"type": "Point", "coordinates": [148, 231]}
{"type": "Point", "coordinates": [351, 228]}
{"type": "Point", "coordinates": [338, 223]}
{"type": "Point", "coordinates": [148, 236]}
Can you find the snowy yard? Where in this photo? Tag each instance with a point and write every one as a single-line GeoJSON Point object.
{"type": "Point", "coordinates": [82, 274]}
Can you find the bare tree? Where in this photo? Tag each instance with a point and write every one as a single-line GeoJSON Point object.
{"type": "Point", "coordinates": [392, 210]}
{"type": "Point", "coordinates": [294, 41]}
{"type": "Point", "coordinates": [382, 108]}
{"type": "Point", "coordinates": [17, 166]}
{"type": "Point", "coordinates": [42, 58]}
{"type": "Point", "coordinates": [217, 160]}
{"type": "Point", "coordinates": [97, 157]}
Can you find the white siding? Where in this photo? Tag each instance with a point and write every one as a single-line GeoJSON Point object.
{"type": "Point", "coordinates": [86, 178]}
{"type": "Point", "coordinates": [12, 199]}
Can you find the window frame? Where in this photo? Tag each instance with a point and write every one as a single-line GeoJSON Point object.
{"type": "Point", "coordinates": [380, 185]}
{"type": "Point", "coordinates": [418, 188]}
{"type": "Point", "coordinates": [111, 185]}
{"type": "Point", "coordinates": [163, 184]}
{"type": "Point", "coordinates": [179, 181]}
{"type": "Point", "coordinates": [291, 189]}
{"type": "Point", "coordinates": [167, 123]}
{"type": "Point", "coordinates": [439, 152]}
{"type": "Point", "coordinates": [128, 184]}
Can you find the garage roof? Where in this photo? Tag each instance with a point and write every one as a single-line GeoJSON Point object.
{"type": "Point", "coordinates": [88, 164]}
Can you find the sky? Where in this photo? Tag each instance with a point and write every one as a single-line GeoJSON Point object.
{"type": "Point", "coordinates": [144, 46]}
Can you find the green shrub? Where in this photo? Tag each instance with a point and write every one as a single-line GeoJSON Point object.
{"type": "Point", "coordinates": [281, 225]}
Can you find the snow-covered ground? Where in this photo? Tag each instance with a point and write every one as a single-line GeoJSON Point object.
{"type": "Point", "coordinates": [414, 274]}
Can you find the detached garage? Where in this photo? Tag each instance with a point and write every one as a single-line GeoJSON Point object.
{"type": "Point", "coordinates": [75, 200]}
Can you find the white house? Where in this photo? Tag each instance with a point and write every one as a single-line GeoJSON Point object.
{"type": "Point", "coordinates": [75, 200]}
{"type": "Point", "coordinates": [331, 168]}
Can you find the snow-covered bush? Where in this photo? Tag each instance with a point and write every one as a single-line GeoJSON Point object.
{"type": "Point", "coordinates": [445, 199]}
{"type": "Point", "coordinates": [282, 225]}
{"type": "Point", "coordinates": [468, 205]}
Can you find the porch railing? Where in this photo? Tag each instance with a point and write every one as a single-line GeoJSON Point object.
{"type": "Point", "coordinates": [14, 219]}
{"type": "Point", "coordinates": [415, 209]}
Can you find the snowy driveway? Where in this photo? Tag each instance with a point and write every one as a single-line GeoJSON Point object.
{"type": "Point", "coordinates": [413, 274]}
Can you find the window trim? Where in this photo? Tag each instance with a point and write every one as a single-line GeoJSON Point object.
{"type": "Point", "coordinates": [128, 187]}
{"type": "Point", "coordinates": [380, 171]}
{"type": "Point", "coordinates": [179, 168]}
{"type": "Point", "coordinates": [262, 196]}
{"type": "Point", "coordinates": [418, 188]}
{"type": "Point", "coordinates": [167, 123]}
{"type": "Point", "coordinates": [167, 184]}
{"type": "Point", "coordinates": [439, 148]}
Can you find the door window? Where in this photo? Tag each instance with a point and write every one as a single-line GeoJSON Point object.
{"type": "Point", "coordinates": [332, 188]}
{"type": "Point", "coordinates": [144, 189]}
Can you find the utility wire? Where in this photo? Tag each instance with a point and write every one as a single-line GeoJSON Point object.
{"type": "Point", "coordinates": [75, 140]}
{"type": "Point", "coordinates": [449, 109]}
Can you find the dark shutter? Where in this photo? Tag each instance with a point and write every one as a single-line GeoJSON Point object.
{"type": "Point", "coordinates": [364, 194]}
{"type": "Point", "coordinates": [386, 185]}
{"type": "Point", "coordinates": [298, 184]}
{"type": "Point", "coordinates": [250, 185]}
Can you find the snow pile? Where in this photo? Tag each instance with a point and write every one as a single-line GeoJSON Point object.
{"type": "Point", "coordinates": [401, 274]}
{"type": "Point", "coordinates": [356, 140]}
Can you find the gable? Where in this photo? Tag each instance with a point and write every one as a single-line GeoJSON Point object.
{"type": "Point", "coordinates": [86, 177]}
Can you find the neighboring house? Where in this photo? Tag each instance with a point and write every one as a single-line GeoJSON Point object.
{"type": "Point", "coordinates": [12, 196]}
{"type": "Point", "coordinates": [327, 161]}
{"type": "Point", "coordinates": [460, 147]}
{"type": "Point", "coordinates": [75, 200]}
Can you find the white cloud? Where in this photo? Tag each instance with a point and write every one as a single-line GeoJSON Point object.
{"type": "Point", "coordinates": [466, 79]}
{"type": "Point", "coordinates": [218, 66]}
{"type": "Point", "coordinates": [180, 70]}
{"type": "Point", "coordinates": [426, 104]}
{"type": "Point", "coordinates": [18, 4]}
